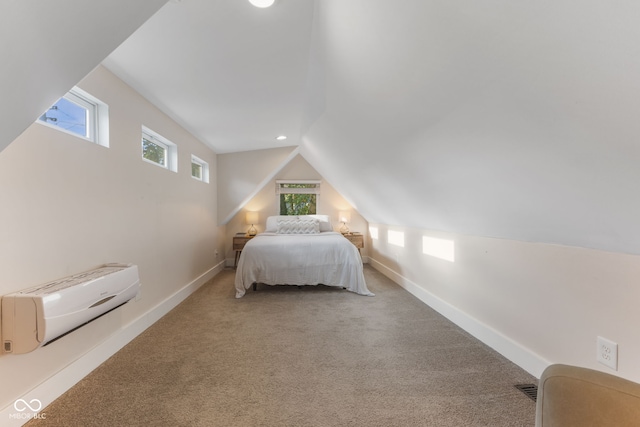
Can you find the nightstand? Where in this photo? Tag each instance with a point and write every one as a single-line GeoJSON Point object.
{"type": "Point", "coordinates": [356, 238]}
{"type": "Point", "coordinates": [239, 240]}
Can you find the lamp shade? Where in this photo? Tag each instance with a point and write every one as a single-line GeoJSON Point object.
{"type": "Point", "coordinates": [344, 216]}
{"type": "Point", "coordinates": [252, 217]}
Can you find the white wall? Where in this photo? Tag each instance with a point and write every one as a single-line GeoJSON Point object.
{"type": "Point", "coordinates": [69, 205]}
{"type": "Point", "coordinates": [266, 202]}
{"type": "Point", "coordinates": [535, 303]}
{"type": "Point", "coordinates": [46, 47]}
{"type": "Point", "coordinates": [241, 175]}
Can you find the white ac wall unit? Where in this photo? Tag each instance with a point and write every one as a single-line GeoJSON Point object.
{"type": "Point", "coordinates": [37, 316]}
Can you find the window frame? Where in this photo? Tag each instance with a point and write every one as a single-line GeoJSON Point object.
{"type": "Point", "coordinates": [97, 120]}
{"type": "Point", "coordinates": [171, 149]}
{"type": "Point", "coordinates": [280, 190]}
{"type": "Point", "coordinates": [204, 169]}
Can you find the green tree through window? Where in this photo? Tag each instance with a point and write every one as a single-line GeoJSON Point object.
{"type": "Point", "coordinates": [154, 152]}
{"type": "Point", "coordinates": [196, 170]}
{"type": "Point", "coordinates": [297, 202]}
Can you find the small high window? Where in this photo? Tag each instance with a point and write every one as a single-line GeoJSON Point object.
{"type": "Point", "coordinates": [159, 150]}
{"type": "Point", "coordinates": [199, 169]}
{"type": "Point", "coordinates": [81, 114]}
{"type": "Point", "coordinates": [298, 197]}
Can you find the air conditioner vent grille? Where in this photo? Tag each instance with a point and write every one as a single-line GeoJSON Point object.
{"type": "Point", "coordinates": [530, 390]}
{"type": "Point", "coordinates": [76, 279]}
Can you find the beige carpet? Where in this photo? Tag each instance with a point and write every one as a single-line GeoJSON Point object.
{"type": "Point", "coordinates": [311, 356]}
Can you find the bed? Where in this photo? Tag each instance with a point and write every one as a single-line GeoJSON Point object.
{"type": "Point", "coordinates": [302, 250]}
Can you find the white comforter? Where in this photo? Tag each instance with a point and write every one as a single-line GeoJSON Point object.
{"type": "Point", "coordinates": [302, 259]}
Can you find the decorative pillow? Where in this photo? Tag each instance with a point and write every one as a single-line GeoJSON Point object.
{"type": "Point", "coordinates": [298, 226]}
{"type": "Point", "coordinates": [272, 222]}
{"type": "Point", "coordinates": [323, 220]}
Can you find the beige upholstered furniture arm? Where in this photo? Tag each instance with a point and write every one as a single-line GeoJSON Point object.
{"type": "Point", "coordinates": [570, 396]}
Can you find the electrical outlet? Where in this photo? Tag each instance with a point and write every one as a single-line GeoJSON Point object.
{"type": "Point", "coordinates": [607, 353]}
{"type": "Point", "coordinates": [216, 253]}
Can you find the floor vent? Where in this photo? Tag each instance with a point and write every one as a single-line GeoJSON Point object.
{"type": "Point", "coordinates": [531, 390]}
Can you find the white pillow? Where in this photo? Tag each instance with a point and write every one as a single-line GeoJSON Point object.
{"type": "Point", "coordinates": [272, 222]}
{"type": "Point", "coordinates": [298, 226]}
{"type": "Point", "coordinates": [325, 224]}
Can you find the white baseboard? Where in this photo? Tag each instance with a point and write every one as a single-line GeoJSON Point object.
{"type": "Point", "coordinates": [521, 356]}
{"type": "Point", "coordinates": [59, 383]}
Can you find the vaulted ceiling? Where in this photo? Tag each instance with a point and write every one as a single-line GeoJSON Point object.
{"type": "Point", "coordinates": [232, 74]}
{"type": "Point", "coordinates": [496, 118]}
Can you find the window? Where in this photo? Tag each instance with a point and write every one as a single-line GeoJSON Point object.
{"type": "Point", "coordinates": [159, 150]}
{"type": "Point", "coordinates": [199, 169]}
{"type": "Point", "coordinates": [81, 114]}
{"type": "Point", "coordinates": [196, 170]}
{"type": "Point", "coordinates": [298, 197]}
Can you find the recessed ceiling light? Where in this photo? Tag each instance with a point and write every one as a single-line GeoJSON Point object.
{"type": "Point", "coordinates": [261, 3]}
{"type": "Point", "coordinates": [281, 137]}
